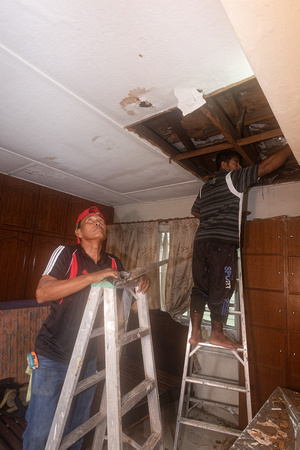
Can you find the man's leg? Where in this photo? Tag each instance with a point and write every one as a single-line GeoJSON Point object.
{"type": "Point", "coordinates": [47, 381]}
{"type": "Point", "coordinates": [199, 294]}
{"type": "Point", "coordinates": [218, 337]}
{"type": "Point", "coordinates": [222, 263]}
{"type": "Point", "coordinates": [196, 336]}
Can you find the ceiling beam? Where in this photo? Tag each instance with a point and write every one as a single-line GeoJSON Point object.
{"type": "Point", "coordinates": [218, 118]}
{"type": "Point", "coordinates": [226, 145]}
{"type": "Point", "coordinates": [144, 132]}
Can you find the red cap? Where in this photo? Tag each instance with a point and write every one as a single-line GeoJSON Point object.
{"type": "Point", "coordinates": [91, 210]}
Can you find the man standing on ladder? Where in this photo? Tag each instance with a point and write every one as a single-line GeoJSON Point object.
{"type": "Point", "coordinates": [66, 282]}
{"type": "Point", "coordinates": [218, 206]}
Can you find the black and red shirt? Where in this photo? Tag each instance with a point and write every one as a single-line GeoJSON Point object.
{"type": "Point", "coordinates": [57, 336]}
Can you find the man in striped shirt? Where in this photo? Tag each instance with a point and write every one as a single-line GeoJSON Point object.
{"type": "Point", "coordinates": [219, 206]}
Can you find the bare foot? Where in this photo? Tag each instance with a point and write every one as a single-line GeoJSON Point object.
{"type": "Point", "coordinates": [196, 337]}
{"type": "Point", "coordinates": [223, 341]}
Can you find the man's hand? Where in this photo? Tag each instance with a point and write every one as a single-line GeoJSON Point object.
{"type": "Point", "coordinates": [96, 277]}
{"type": "Point", "coordinates": [144, 283]}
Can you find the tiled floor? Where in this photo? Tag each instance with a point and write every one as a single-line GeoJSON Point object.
{"type": "Point", "coordinates": [190, 438]}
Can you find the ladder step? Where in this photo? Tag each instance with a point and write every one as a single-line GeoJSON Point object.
{"type": "Point", "coordinates": [97, 332]}
{"type": "Point", "coordinates": [133, 335]}
{"type": "Point", "coordinates": [130, 441]}
{"type": "Point", "coordinates": [89, 382]}
{"type": "Point", "coordinates": [82, 430]}
{"type": "Point", "coordinates": [154, 441]}
{"type": "Point", "coordinates": [218, 384]}
{"type": "Point", "coordinates": [204, 345]}
{"type": "Point", "coordinates": [210, 426]}
{"type": "Point", "coordinates": [130, 399]}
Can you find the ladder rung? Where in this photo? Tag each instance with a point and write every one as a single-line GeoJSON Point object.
{"type": "Point", "coordinates": [217, 347]}
{"type": "Point", "coordinates": [89, 382]}
{"type": "Point", "coordinates": [97, 332]}
{"type": "Point", "coordinates": [130, 399]}
{"type": "Point", "coordinates": [197, 401]}
{"type": "Point", "coordinates": [82, 430]}
{"type": "Point", "coordinates": [218, 384]}
{"type": "Point", "coordinates": [130, 441]}
{"type": "Point", "coordinates": [210, 426]}
{"type": "Point", "coordinates": [153, 441]}
{"type": "Point", "coordinates": [133, 335]}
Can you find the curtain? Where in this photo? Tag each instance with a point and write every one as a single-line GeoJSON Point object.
{"type": "Point", "coordinates": [137, 245]}
{"type": "Point", "coordinates": [179, 280]}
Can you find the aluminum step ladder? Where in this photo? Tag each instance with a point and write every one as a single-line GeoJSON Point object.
{"type": "Point", "coordinates": [191, 378]}
{"type": "Point", "coordinates": [107, 422]}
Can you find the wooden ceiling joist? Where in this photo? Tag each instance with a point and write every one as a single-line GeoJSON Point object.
{"type": "Point", "coordinates": [218, 118]}
{"type": "Point", "coordinates": [238, 118]}
{"type": "Point", "coordinates": [227, 145]}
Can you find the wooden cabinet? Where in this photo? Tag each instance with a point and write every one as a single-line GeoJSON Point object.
{"type": "Point", "coordinates": [33, 221]}
{"type": "Point", "coordinates": [271, 267]}
{"type": "Point", "coordinates": [41, 249]}
{"type": "Point", "coordinates": [15, 248]}
{"type": "Point", "coordinates": [18, 204]}
{"type": "Point", "coordinates": [52, 212]}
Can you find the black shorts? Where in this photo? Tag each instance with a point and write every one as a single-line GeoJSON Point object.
{"type": "Point", "coordinates": [214, 276]}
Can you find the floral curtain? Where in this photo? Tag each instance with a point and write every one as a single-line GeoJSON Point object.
{"type": "Point", "coordinates": [137, 245]}
{"type": "Point", "coordinates": [179, 273]}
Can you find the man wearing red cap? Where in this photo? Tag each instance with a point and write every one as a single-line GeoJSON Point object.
{"type": "Point", "coordinates": [66, 282]}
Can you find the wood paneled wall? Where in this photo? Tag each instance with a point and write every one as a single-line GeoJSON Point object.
{"type": "Point", "coordinates": [271, 267]}
{"type": "Point", "coordinates": [34, 220]}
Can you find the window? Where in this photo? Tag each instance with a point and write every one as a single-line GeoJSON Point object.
{"type": "Point", "coordinates": [232, 321]}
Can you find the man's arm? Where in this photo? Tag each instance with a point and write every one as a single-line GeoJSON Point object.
{"type": "Point", "coordinates": [274, 161]}
{"type": "Point", "coordinates": [50, 289]}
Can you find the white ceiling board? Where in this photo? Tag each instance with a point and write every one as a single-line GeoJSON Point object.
{"type": "Point", "coordinates": [46, 176]}
{"type": "Point", "coordinates": [71, 74]}
{"type": "Point", "coordinates": [11, 162]}
{"type": "Point", "coordinates": [75, 138]}
{"type": "Point", "coordinates": [104, 50]}
{"type": "Point", "coordinates": [168, 192]}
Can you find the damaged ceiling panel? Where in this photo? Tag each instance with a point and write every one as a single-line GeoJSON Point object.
{"type": "Point", "coordinates": [237, 118]}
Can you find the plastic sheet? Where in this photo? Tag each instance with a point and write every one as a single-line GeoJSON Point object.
{"type": "Point", "coordinates": [276, 425]}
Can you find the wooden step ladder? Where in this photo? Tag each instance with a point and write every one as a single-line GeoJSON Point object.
{"type": "Point", "coordinates": [190, 378]}
{"type": "Point", "coordinates": [112, 407]}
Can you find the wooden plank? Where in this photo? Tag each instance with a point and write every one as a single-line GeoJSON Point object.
{"type": "Point", "coordinates": [133, 397]}
{"type": "Point", "coordinates": [260, 137]}
{"type": "Point", "coordinates": [167, 149]}
{"type": "Point", "coordinates": [13, 442]}
{"type": "Point", "coordinates": [227, 145]}
{"type": "Point", "coordinates": [85, 384]}
{"type": "Point", "coordinates": [203, 151]}
{"type": "Point", "coordinates": [133, 335]}
{"type": "Point", "coordinates": [218, 118]}
{"type": "Point", "coordinates": [82, 430]}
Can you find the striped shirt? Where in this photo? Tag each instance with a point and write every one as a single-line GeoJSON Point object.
{"type": "Point", "coordinates": [219, 203]}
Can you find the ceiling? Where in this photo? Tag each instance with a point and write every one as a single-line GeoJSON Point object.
{"type": "Point", "coordinates": [88, 90]}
